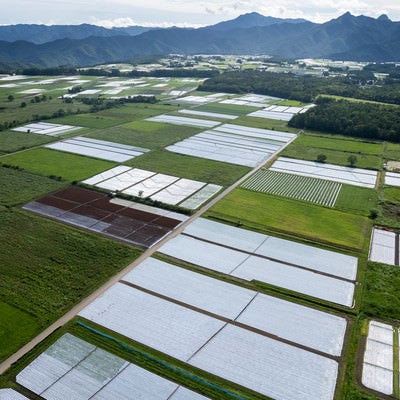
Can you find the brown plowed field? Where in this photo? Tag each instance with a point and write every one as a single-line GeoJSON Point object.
{"type": "Point", "coordinates": [133, 226]}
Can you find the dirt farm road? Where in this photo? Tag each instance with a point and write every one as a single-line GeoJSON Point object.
{"type": "Point", "coordinates": [5, 365]}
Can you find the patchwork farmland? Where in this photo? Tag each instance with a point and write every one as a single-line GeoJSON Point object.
{"type": "Point", "coordinates": [278, 262]}
{"type": "Point", "coordinates": [74, 369]}
{"type": "Point", "coordinates": [196, 335]}
{"type": "Point", "coordinates": [291, 301]}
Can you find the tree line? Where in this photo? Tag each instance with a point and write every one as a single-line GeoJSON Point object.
{"type": "Point", "coordinates": [360, 85]}
{"type": "Point", "coordinates": [360, 119]}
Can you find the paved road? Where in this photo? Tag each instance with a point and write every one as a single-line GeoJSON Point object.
{"type": "Point", "coordinates": [75, 310]}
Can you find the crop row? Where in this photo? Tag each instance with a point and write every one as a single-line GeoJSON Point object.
{"type": "Point", "coordinates": [298, 187]}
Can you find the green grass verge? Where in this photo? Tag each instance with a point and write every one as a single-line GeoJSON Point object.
{"type": "Point", "coordinates": [47, 267]}
{"type": "Point", "coordinates": [199, 169]}
{"type": "Point", "coordinates": [19, 187]}
{"type": "Point", "coordinates": [16, 328]}
{"type": "Point", "coordinates": [307, 221]}
{"type": "Point", "coordinates": [49, 162]}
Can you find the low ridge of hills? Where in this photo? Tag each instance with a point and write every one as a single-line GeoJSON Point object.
{"type": "Point", "coordinates": [348, 37]}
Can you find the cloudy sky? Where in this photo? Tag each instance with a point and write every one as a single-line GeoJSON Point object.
{"type": "Point", "coordinates": [183, 12]}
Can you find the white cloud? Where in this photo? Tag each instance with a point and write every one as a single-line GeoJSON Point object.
{"type": "Point", "coordinates": [184, 12]}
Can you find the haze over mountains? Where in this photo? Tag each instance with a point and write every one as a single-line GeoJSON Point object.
{"type": "Point", "coordinates": [348, 37]}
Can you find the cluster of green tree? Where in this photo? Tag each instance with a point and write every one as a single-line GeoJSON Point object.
{"type": "Point", "coordinates": [101, 103]}
{"type": "Point", "coordinates": [175, 73]}
{"type": "Point", "coordinates": [62, 70]}
{"type": "Point", "coordinates": [9, 125]}
{"type": "Point", "coordinates": [304, 88]}
{"type": "Point", "coordinates": [366, 120]}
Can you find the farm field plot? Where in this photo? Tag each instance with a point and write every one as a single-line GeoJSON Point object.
{"type": "Point", "coordinates": [208, 114]}
{"type": "Point", "coordinates": [201, 99]}
{"type": "Point", "coordinates": [338, 143]}
{"type": "Point", "coordinates": [392, 179]}
{"type": "Point", "coordinates": [195, 289]}
{"type": "Point", "coordinates": [68, 166]}
{"type": "Point", "coordinates": [57, 267]}
{"type": "Point", "coordinates": [351, 176]}
{"type": "Point", "coordinates": [311, 376]}
{"type": "Point", "coordinates": [251, 100]}
{"type": "Point", "coordinates": [19, 186]}
{"type": "Point", "coordinates": [282, 113]}
{"type": "Point", "coordinates": [310, 257]}
{"type": "Point", "coordinates": [15, 141]}
{"type": "Point", "coordinates": [74, 369]}
{"type": "Point", "coordinates": [301, 219]}
{"type": "Point", "coordinates": [146, 318]}
{"type": "Point", "coordinates": [16, 328]}
{"type": "Point", "coordinates": [177, 120]}
{"type": "Point", "coordinates": [234, 144]}
{"type": "Point", "coordinates": [254, 267]}
{"type": "Point", "coordinates": [94, 211]}
{"type": "Point", "coordinates": [242, 305]}
{"type": "Point", "coordinates": [152, 135]}
{"type": "Point", "coordinates": [105, 150]}
{"type": "Point", "coordinates": [160, 187]}
{"type": "Point", "coordinates": [11, 394]}
{"type": "Point", "coordinates": [384, 247]}
{"type": "Point", "coordinates": [304, 188]}
{"type": "Point", "coordinates": [47, 128]}
{"type": "Point", "coordinates": [195, 338]}
{"type": "Point", "coordinates": [378, 367]}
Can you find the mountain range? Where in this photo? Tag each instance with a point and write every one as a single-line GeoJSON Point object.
{"type": "Point", "coordinates": [348, 37]}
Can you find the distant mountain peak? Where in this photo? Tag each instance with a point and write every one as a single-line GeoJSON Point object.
{"type": "Point", "coordinates": [251, 20]}
{"type": "Point", "coordinates": [383, 18]}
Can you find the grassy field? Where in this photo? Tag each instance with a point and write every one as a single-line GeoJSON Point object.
{"type": "Point", "coordinates": [18, 187]}
{"type": "Point", "coordinates": [15, 141]}
{"type": "Point", "coordinates": [88, 121]}
{"type": "Point", "coordinates": [136, 111]}
{"type": "Point", "coordinates": [16, 328]}
{"type": "Point", "coordinates": [232, 109]}
{"type": "Point", "coordinates": [151, 135]}
{"type": "Point", "coordinates": [184, 166]}
{"type": "Point", "coordinates": [340, 143]}
{"type": "Point", "coordinates": [381, 292]}
{"type": "Point", "coordinates": [357, 200]}
{"type": "Point", "coordinates": [265, 123]}
{"type": "Point", "coordinates": [49, 162]}
{"type": "Point", "coordinates": [392, 151]}
{"type": "Point", "coordinates": [391, 194]}
{"type": "Point", "coordinates": [337, 157]}
{"type": "Point", "coordinates": [48, 267]}
{"type": "Point", "coordinates": [318, 224]}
